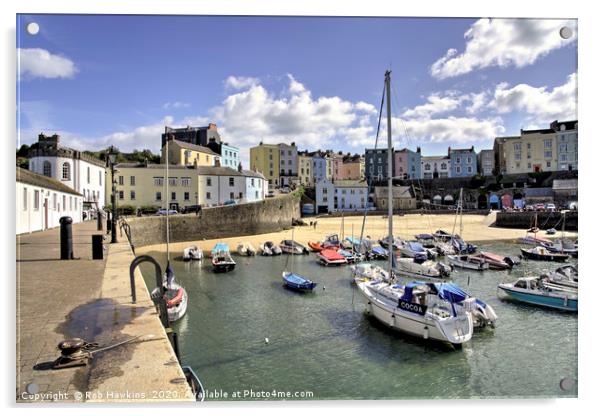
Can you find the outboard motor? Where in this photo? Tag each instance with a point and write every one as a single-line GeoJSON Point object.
{"type": "Point", "coordinates": [443, 269]}
{"type": "Point", "coordinates": [419, 258]}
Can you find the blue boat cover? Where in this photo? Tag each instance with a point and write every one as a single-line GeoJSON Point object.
{"type": "Point", "coordinates": [424, 236]}
{"type": "Point", "coordinates": [415, 246]}
{"type": "Point", "coordinates": [221, 247]}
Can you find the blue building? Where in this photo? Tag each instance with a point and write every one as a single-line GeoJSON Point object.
{"type": "Point", "coordinates": [255, 184]}
{"type": "Point", "coordinates": [566, 140]}
{"type": "Point", "coordinates": [320, 166]}
{"type": "Point", "coordinates": [230, 156]}
{"type": "Point", "coordinates": [463, 162]}
{"type": "Point", "coordinates": [376, 165]}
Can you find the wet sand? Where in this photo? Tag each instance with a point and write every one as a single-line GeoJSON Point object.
{"type": "Point", "coordinates": [475, 229]}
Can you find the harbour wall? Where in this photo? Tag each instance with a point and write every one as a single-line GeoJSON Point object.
{"type": "Point", "coordinates": [545, 220]}
{"type": "Point", "coordinates": [269, 215]}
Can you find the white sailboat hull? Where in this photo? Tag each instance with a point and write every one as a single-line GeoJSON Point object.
{"type": "Point", "coordinates": [455, 331]}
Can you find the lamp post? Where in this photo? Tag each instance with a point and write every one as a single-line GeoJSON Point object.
{"type": "Point", "coordinates": [111, 158]}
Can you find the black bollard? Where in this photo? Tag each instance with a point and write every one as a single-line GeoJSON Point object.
{"type": "Point", "coordinates": [98, 221]}
{"type": "Point", "coordinates": [97, 252]}
{"type": "Point", "coordinates": [66, 238]}
{"type": "Point", "coordinates": [108, 222]}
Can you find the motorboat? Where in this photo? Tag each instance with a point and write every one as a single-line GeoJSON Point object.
{"type": "Point", "coordinates": [192, 253]}
{"type": "Point", "coordinates": [566, 276]}
{"type": "Point", "coordinates": [350, 255]}
{"type": "Point", "coordinates": [462, 247]}
{"type": "Point", "coordinates": [293, 247]}
{"type": "Point", "coordinates": [221, 259]}
{"type": "Point", "coordinates": [368, 271]}
{"type": "Point", "coordinates": [444, 248]}
{"type": "Point", "coordinates": [378, 252]}
{"type": "Point", "coordinates": [245, 249]}
{"type": "Point", "coordinates": [315, 247]}
{"type": "Point", "coordinates": [269, 249]}
{"type": "Point", "coordinates": [564, 246]}
{"type": "Point", "coordinates": [397, 242]}
{"type": "Point", "coordinates": [535, 291]}
{"type": "Point", "coordinates": [466, 261]}
{"type": "Point", "coordinates": [412, 248]}
{"type": "Point", "coordinates": [297, 282]}
{"type": "Point", "coordinates": [427, 240]}
{"type": "Point", "coordinates": [419, 309]}
{"type": "Point", "coordinates": [175, 296]}
{"type": "Point", "coordinates": [443, 235]}
{"type": "Point", "coordinates": [498, 262]}
{"type": "Point", "coordinates": [543, 254]}
{"type": "Point", "coordinates": [331, 241]}
{"type": "Point", "coordinates": [414, 268]}
{"type": "Point", "coordinates": [351, 243]}
{"type": "Point", "coordinates": [551, 231]}
{"type": "Point", "coordinates": [331, 257]}
{"type": "Point", "coordinates": [483, 314]}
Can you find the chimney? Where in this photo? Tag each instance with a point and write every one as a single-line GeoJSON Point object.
{"type": "Point", "coordinates": [239, 167]}
{"type": "Point", "coordinates": [212, 126]}
{"type": "Point", "coordinates": [217, 162]}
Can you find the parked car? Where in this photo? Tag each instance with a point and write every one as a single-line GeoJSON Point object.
{"type": "Point", "coordinates": [550, 207]}
{"type": "Point", "coordinates": [529, 208]}
{"type": "Point", "coordinates": [307, 209]}
{"type": "Point", "coordinates": [539, 207]}
{"type": "Point", "coordinates": [163, 211]}
{"type": "Point", "coordinates": [190, 208]}
{"type": "Point", "coordinates": [230, 202]}
{"type": "Point", "coordinates": [270, 193]}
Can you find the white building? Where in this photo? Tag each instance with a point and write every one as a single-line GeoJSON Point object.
{"type": "Point", "coordinates": [341, 196]}
{"type": "Point", "coordinates": [435, 167]}
{"type": "Point", "coordinates": [82, 173]}
{"type": "Point", "coordinates": [42, 201]}
{"type": "Point", "coordinates": [220, 184]}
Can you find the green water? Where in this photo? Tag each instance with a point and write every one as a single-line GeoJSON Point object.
{"type": "Point", "coordinates": [323, 343]}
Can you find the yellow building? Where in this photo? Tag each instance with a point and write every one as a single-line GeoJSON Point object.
{"type": "Point", "coordinates": [265, 158]}
{"type": "Point", "coordinates": [306, 171]}
{"type": "Point", "coordinates": [188, 154]}
{"type": "Point", "coordinates": [532, 151]}
{"type": "Point", "coordinates": [352, 168]}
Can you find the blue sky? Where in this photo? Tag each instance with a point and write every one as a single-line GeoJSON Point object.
{"type": "Point", "coordinates": [100, 80]}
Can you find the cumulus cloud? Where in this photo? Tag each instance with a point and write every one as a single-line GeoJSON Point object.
{"type": "Point", "coordinates": [239, 83]}
{"type": "Point", "coordinates": [503, 43]}
{"type": "Point", "coordinates": [541, 103]}
{"type": "Point", "coordinates": [437, 103]}
{"type": "Point", "coordinates": [459, 130]}
{"type": "Point", "coordinates": [39, 63]}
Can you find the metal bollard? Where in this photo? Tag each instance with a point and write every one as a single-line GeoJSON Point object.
{"type": "Point", "coordinates": [97, 252]}
{"type": "Point", "coordinates": [66, 238]}
{"type": "Point", "coordinates": [108, 222]}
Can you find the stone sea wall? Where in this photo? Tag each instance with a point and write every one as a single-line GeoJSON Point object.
{"type": "Point", "coordinates": [545, 220]}
{"type": "Point", "coordinates": [270, 215]}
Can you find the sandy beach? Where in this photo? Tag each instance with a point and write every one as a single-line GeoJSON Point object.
{"type": "Point", "coordinates": [475, 229]}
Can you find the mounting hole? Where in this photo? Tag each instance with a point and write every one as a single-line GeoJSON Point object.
{"type": "Point", "coordinates": [567, 383]}
{"type": "Point", "coordinates": [33, 28]}
{"type": "Point", "coordinates": [32, 388]}
{"type": "Point", "coordinates": [566, 32]}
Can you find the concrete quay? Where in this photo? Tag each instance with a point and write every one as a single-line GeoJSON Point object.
{"type": "Point", "coordinates": [89, 299]}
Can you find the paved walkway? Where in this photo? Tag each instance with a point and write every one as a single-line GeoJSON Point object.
{"type": "Point", "coordinates": [89, 299]}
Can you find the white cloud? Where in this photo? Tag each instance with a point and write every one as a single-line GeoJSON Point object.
{"type": "Point", "coordinates": [459, 130]}
{"type": "Point", "coordinates": [541, 103]}
{"type": "Point", "coordinates": [175, 105]}
{"type": "Point", "coordinates": [239, 83]}
{"type": "Point", "coordinates": [479, 100]}
{"type": "Point", "coordinates": [437, 103]}
{"type": "Point", "coordinates": [39, 63]}
{"type": "Point", "coordinates": [503, 43]}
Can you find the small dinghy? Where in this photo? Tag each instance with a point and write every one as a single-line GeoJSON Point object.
{"type": "Point", "coordinates": [427, 240]}
{"type": "Point", "coordinates": [551, 231]}
{"type": "Point", "coordinates": [567, 276]}
{"type": "Point", "coordinates": [269, 249]}
{"type": "Point", "coordinates": [315, 247]}
{"type": "Point", "coordinates": [330, 257]}
{"type": "Point", "coordinates": [350, 255]}
{"type": "Point", "coordinates": [195, 383]}
{"type": "Point", "coordinates": [497, 262]}
{"type": "Point", "coordinates": [297, 282]}
{"type": "Point", "coordinates": [378, 252]}
{"type": "Point", "coordinates": [368, 271]}
{"type": "Point", "coordinates": [192, 253]}
{"type": "Point", "coordinates": [176, 298]}
{"type": "Point", "coordinates": [543, 254]}
{"type": "Point", "coordinates": [468, 262]}
{"type": "Point", "coordinates": [221, 258]}
{"type": "Point", "coordinates": [245, 249]}
{"type": "Point", "coordinates": [462, 247]}
{"type": "Point", "coordinates": [293, 247]}
{"type": "Point", "coordinates": [419, 268]}
{"type": "Point", "coordinates": [442, 235]}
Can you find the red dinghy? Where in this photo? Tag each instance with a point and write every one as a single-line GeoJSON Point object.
{"type": "Point", "coordinates": [330, 257]}
{"type": "Point", "coordinates": [315, 247]}
{"type": "Point", "coordinates": [495, 260]}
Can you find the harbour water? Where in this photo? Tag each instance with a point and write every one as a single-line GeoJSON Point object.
{"type": "Point", "coordinates": [244, 332]}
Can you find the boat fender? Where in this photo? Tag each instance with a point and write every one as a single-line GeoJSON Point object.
{"type": "Point", "coordinates": [425, 332]}
{"type": "Point", "coordinates": [392, 323]}
{"type": "Point", "coordinates": [176, 299]}
{"type": "Point", "coordinates": [267, 340]}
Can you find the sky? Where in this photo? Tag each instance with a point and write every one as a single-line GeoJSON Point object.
{"type": "Point", "coordinates": [99, 80]}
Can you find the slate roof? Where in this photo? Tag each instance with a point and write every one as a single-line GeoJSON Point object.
{"type": "Point", "coordinates": [32, 178]}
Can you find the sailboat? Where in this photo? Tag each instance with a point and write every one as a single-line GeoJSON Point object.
{"type": "Point", "coordinates": [175, 295]}
{"type": "Point", "coordinates": [294, 280]}
{"type": "Point", "coordinates": [416, 308]}
{"type": "Point", "coordinates": [531, 235]}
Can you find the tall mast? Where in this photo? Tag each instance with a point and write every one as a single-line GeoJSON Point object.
{"type": "Point", "coordinates": [389, 169]}
{"type": "Point", "coordinates": [167, 194]}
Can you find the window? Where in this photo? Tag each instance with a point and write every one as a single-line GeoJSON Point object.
{"type": "Point", "coordinates": [24, 199]}
{"type": "Point", "coordinates": [427, 166]}
{"type": "Point", "coordinates": [70, 203]}
{"type": "Point", "coordinates": [469, 169]}
{"type": "Point", "coordinates": [256, 194]}
{"type": "Point", "coordinates": [157, 196]}
{"type": "Point", "coordinates": [132, 181]}
{"type": "Point", "coordinates": [548, 164]}
{"type": "Point", "coordinates": [158, 181]}
{"type": "Point", "coordinates": [173, 196]}
{"type": "Point", "coordinates": [66, 171]}
{"type": "Point", "coordinates": [547, 154]}
{"type": "Point", "coordinates": [47, 169]}
{"type": "Point", "coordinates": [564, 147]}
{"type": "Point", "coordinates": [529, 165]}
{"type": "Point", "coordinates": [36, 200]}
{"type": "Point", "coordinates": [231, 181]}
{"type": "Point", "coordinates": [325, 199]}
{"type": "Point", "coordinates": [231, 195]}
{"type": "Point", "coordinates": [547, 143]}
{"type": "Point", "coordinates": [173, 181]}
{"type": "Point", "coordinates": [517, 156]}
{"type": "Point", "coordinates": [100, 178]}
{"type": "Point", "coordinates": [208, 181]}
{"type": "Point", "coordinates": [186, 182]}
{"type": "Point", "coordinates": [54, 201]}
{"type": "Point", "coordinates": [88, 174]}
{"type": "Point", "coordinates": [457, 160]}
{"type": "Point", "coordinates": [208, 195]}
{"type": "Point", "coordinates": [120, 194]}
{"type": "Point", "coordinates": [458, 169]}
{"type": "Point", "coordinates": [186, 196]}
{"type": "Point", "coordinates": [563, 157]}
{"type": "Point", "coordinates": [528, 145]}
{"type": "Point", "coordinates": [120, 180]}
{"type": "Point", "coordinates": [133, 195]}
{"type": "Point", "coordinates": [64, 202]}
{"type": "Point", "coordinates": [517, 147]}
{"type": "Point", "coordinates": [443, 166]}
